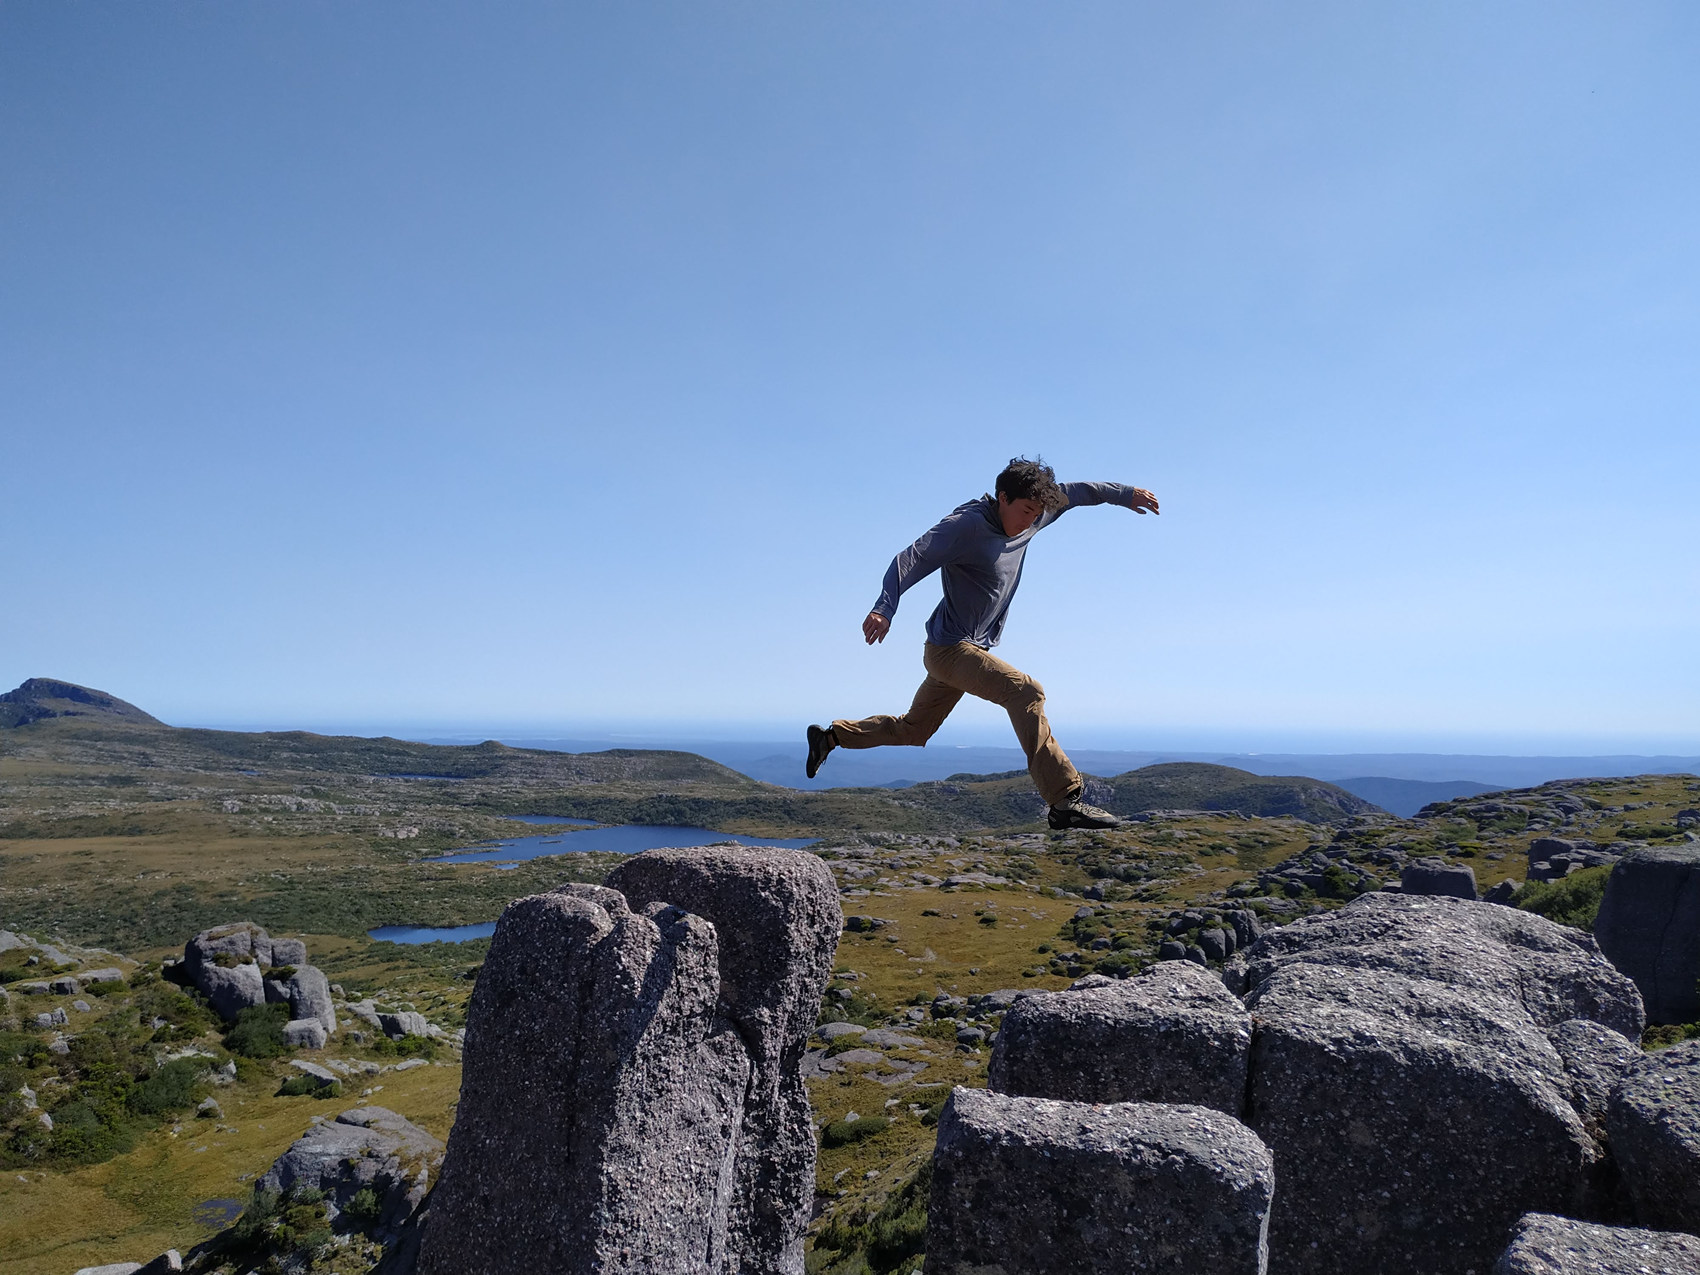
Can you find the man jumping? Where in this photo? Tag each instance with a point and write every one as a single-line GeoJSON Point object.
{"type": "Point", "coordinates": [978, 550]}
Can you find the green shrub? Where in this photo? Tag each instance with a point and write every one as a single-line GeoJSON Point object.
{"type": "Point", "coordinates": [363, 1208]}
{"type": "Point", "coordinates": [1572, 900]}
{"type": "Point", "coordinates": [258, 1032]}
{"type": "Point", "coordinates": [405, 1047]}
{"type": "Point", "coordinates": [170, 1088]}
{"type": "Point", "coordinates": [25, 1048]}
{"type": "Point", "coordinates": [1648, 831]}
{"type": "Point", "coordinates": [892, 1240]}
{"type": "Point", "coordinates": [98, 990]}
{"type": "Point", "coordinates": [1660, 1036]}
{"type": "Point", "coordinates": [841, 1133]}
{"type": "Point", "coordinates": [308, 1087]}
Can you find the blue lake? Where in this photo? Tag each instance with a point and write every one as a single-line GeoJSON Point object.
{"type": "Point", "coordinates": [623, 839]}
{"type": "Point", "coordinates": [577, 836]}
{"type": "Point", "coordinates": [427, 934]}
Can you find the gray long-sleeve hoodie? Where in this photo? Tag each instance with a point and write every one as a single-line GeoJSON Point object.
{"type": "Point", "coordinates": [979, 565]}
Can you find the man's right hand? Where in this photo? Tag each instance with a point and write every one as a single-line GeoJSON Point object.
{"type": "Point", "coordinates": [875, 627]}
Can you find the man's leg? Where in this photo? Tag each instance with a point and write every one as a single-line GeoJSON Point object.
{"type": "Point", "coordinates": [980, 673]}
{"type": "Point", "coordinates": [932, 704]}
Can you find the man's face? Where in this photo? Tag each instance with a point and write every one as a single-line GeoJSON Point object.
{"type": "Point", "coordinates": [1018, 515]}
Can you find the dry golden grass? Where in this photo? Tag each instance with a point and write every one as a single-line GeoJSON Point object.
{"type": "Point", "coordinates": [136, 1206]}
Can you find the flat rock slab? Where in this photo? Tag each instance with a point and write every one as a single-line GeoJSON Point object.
{"type": "Point", "coordinates": [1548, 1245]}
{"type": "Point", "coordinates": [1653, 1119]}
{"type": "Point", "coordinates": [1649, 925]}
{"type": "Point", "coordinates": [1174, 1034]}
{"type": "Point", "coordinates": [1031, 1186]}
{"type": "Point", "coordinates": [892, 1040]}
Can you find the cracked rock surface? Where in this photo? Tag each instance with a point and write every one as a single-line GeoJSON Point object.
{"type": "Point", "coordinates": [630, 1094]}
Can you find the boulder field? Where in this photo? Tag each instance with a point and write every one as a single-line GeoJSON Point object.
{"type": "Point", "coordinates": [1409, 1085]}
{"type": "Point", "coordinates": [1426, 1076]}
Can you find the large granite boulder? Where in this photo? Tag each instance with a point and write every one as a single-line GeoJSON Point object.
{"type": "Point", "coordinates": [289, 952]}
{"type": "Point", "coordinates": [1649, 925]}
{"type": "Point", "coordinates": [1031, 1186]}
{"type": "Point", "coordinates": [1403, 1078]}
{"type": "Point", "coordinates": [232, 990]}
{"type": "Point", "coordinates": [366, 1147]}
{"type": "Point", "coordinates": [304, 1033]}
{"type": "Point", "coordinates": [310, 996]}
{"type": "Point", "coordinates": [1554, 972]}
{"type": "Point", "coordinates": [1654, 1122]}
{"type": "Point", "coordinates": [778, 918]}
{"type": "Point", "coordinates": [1436, 876]}
{"type": "Point", "coordinates": [1546, 1245]}
{"type": "Point", "coordinates": [630, 1095]}
{"type": "Point", "coordinates": [1173, 1034]}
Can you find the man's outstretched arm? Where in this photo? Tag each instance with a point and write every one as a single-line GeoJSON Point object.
{"type": "Point", "coordinates": [1135, 498]}
{"type": "Point", "coordinates": [908, 568]}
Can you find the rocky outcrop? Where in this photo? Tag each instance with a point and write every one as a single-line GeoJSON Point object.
{"type": "Point", "coordinates": [310, 996]}
{"type": "Point", "coordinates": [1546, 1245]}
{"type": "Point", "coordinates": [1654, 1122]}
{"type": "Point", "coordinates": [1437, 877]}
{"type": "Point", "coordinates": [1403, 1078]}
{"type": "Point", "coordinates": [1173, 1035]}
{"type": "Point", "coordinates": [1029, 1186]}
{"type": "Point", "coordinates": [630, 1095]}
{"type": "Point", "coordinates": [1649, 925]}
{"type": "Point", "coordinates": [231, 965]}
{"type": "Point", "coordinates": [777, 916]}
{"type": "Point", "coordinates": [367, 1147]}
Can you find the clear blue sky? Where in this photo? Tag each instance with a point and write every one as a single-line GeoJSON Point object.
{"type": "Point", "coordinates": [564, 365]}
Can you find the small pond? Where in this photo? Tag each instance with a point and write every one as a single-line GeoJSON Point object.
{"type": "Point", "coordinates": [577, 835]}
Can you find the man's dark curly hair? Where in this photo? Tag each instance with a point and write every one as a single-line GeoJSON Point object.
{"type": "Point", "coordinates": [1024, 479]}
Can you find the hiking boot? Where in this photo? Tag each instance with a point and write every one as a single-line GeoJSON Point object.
{"type": "Point", "coordinates": [821, 743]}
{"type": "Point", "coordinates": [1077, 814]}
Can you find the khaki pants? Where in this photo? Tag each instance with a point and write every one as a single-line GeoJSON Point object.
{"type": "Point", "coordinates": [964, 669]}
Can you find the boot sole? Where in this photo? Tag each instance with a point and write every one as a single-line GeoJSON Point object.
{"type": "Point", "coordinates": [817, 754]}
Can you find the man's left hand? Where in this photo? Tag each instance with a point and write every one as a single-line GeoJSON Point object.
{"type": "Point", "coordinates": [1143, 501]}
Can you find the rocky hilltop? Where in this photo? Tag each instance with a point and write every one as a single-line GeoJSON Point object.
{"type": "Point", "coordinates": [41, 698]}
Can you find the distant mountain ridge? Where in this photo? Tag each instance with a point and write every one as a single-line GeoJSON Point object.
{"type": "Point", "coordinates": [1008, 797]}
{"type": "Point", "coordinates": [68, 724]}
{"type": "Point", "coordinates": [43, 697]}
